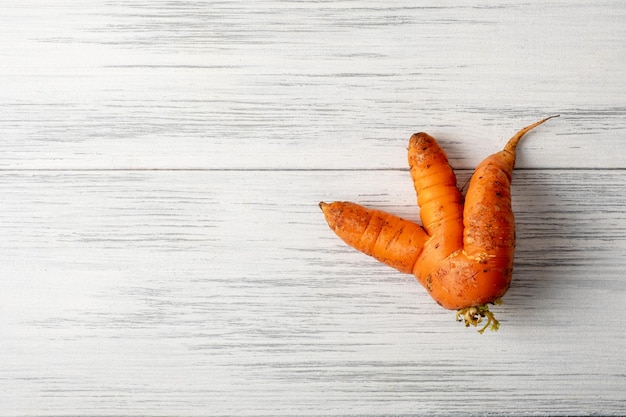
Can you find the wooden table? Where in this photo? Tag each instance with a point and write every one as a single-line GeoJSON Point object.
{"type": "Point", "coordinates": [162, 252]}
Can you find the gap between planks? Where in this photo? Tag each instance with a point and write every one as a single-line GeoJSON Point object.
{"type": "Point", "coordinates": [282, 169]}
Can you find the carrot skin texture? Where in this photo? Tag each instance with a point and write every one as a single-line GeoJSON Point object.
{"type": "Point", "coordinates": [489, 227]}
{"type": "Point", "coordinates": [463, 255]}
{"type": "Point", "coordinates": [390, 239]}
{"type": "Point", "coordinates": [460, 282]}
{"type": "Point", "coordinates": [439, 199]}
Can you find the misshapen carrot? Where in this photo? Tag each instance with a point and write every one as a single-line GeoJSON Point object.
{"type": "Point", "coordinates": [463, 255]}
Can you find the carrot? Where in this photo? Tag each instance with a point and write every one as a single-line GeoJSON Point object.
{"type": "Point", "coordinates": [391, 240]}
{"type": "Point", "coordinates": [463, 253]}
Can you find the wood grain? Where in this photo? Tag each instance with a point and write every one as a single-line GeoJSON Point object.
{"type": "Point", "coordinates": [206, 292]}
{"type": "Point", "coordinates": [280, 85]}
{"type": "Point", "coordinates": [161, 248]}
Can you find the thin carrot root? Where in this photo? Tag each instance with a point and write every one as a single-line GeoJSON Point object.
{"type": "Point", "coordinates": [512, 143]}
{"type": "Point", "coordinates": [474, 316]}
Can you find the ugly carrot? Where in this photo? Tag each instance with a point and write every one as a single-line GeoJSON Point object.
{"type": "Point", "coordinates": [463, 254]}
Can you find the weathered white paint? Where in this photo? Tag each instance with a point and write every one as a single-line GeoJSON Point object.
{"type": "Point", "coordinates": [161, 247]}
{"type": "Point", "coordinates": [282, 84]}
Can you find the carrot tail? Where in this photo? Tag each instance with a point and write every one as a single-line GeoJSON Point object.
{"type": "Point", "coordinates": [489, 232]}
{"type": "Point", "coordinates": [390, 239]}
{"type": "Point", "coordinates": [512, 143]}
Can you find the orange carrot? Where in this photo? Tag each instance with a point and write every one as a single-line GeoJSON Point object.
{"type": "Point", "coordinates": [391, 240]}
{"type": "Point", "coordinates": [463, 254]}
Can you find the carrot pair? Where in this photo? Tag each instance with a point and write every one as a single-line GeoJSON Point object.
{"type": "Point", "coordinates": [463, 252]}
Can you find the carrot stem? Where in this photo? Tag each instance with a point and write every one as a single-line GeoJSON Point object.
{"type": "Point", "coordinates": [474, 315]}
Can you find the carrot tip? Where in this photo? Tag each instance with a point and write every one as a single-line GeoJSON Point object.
{"type": "Point", "coordinates": [474, 315]}
{"type": "Point", "coordinates": [512, 143]}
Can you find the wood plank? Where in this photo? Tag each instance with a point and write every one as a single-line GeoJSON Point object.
{"type": "Point", "coordinates": [160, 243]}
{"type": "Point", "coordinates": [267, 84]}
{"type": "Point", "coordinates": [224, 293]}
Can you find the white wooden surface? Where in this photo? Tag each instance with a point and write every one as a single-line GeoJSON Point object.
{"type": "Point", "coordinates": [161, 248]}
